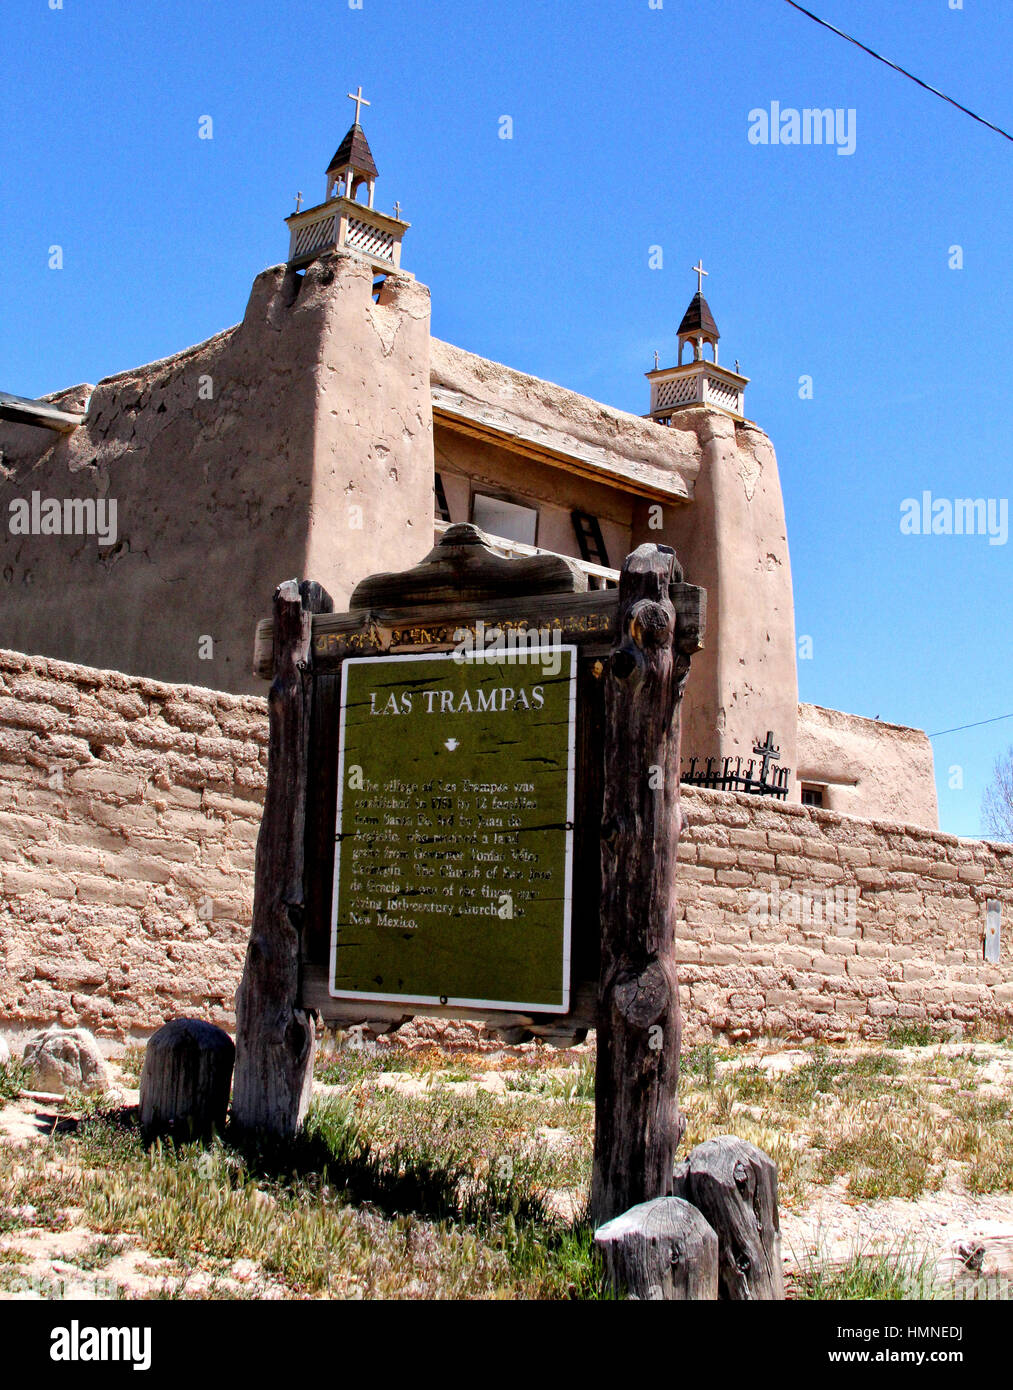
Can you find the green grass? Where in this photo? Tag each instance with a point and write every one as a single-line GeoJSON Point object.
{"type": "Point", "coordinates": [863, 1118]}
{"type": "Point", "coordinates": [13, 1080]}
{"type": "Point", "coordinates": [913, 1035]}
{"type": "Point", "coordinates": [880, 1277]}
{"type": "Point", "coordinates": [451, 1206]}
{"type": "Point", "coordinates": [99, 1253]}
{"type": "Point", "coordinates": [878, 1162]}
{"type": "Point", "coordinates": [130, 1064]}
{"type": "Point", "coordinates": [347, 1059]}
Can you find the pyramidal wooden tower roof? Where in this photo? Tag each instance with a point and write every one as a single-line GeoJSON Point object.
{"type": "Point", "coordinates": [698, 319]}
{"type": "Point", "coordinates": [354, 151]}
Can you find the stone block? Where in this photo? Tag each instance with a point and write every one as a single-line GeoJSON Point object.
{"type": "Point", "coordinates": [62, 1060]}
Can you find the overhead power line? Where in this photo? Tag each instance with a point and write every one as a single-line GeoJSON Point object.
{"type": "Point", "coordinates": [903, 71]}
{"type": "Point", "coordinates": [960, 727]}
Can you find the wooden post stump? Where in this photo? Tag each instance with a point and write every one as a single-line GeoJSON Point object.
{"type": "Point", "coordinates": [734, 1184]}
{"type": "Point", "coordinates": [185, 1081]}
{"type": "Point", "coordinates": [660, 1250]}
{"type": "Point", "coordinates": [637, 1123]}
{"type": "Point", "coordinates": [275, 1039]}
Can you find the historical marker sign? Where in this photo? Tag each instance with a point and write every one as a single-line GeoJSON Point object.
{"type": "Point", "coordinates": [454, 834]}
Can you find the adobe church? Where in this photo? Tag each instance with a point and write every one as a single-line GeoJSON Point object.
{"type": "Point", "coordinates": [329, 436]}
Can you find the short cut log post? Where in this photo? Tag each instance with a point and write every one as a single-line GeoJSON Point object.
{"type": "Point", "coordinates": [274, 1035]}
{"type": "Point", "coordinates": [734, 1185]}
{"type": "Point", "coordinates": [637, 1123]}
{"type": "Point", "coordinates": [185, 1081]}
{"type": "Point", "coordinates": [660, 1250]}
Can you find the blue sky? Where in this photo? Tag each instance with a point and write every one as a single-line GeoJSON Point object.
{"type": "Point", "coordinates": [630, 131]}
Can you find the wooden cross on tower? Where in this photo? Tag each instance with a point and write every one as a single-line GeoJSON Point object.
{"type": "Point", "coordinates": [700, 273]}
{"type": "Point", "coordinates": [359, 100]}
{"type": "Point", "coordinates": [768, 753]}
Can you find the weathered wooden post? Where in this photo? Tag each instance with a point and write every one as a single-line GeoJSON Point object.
{"type": "Point", "coordinates": [185, 1081]}
{"type": "Point", "coordinates": [663, 1249]}
{"type": "Point", "coordinates": [274, 1034]}
{"type": "Point", "coordinates": [734, 1185]}
{"type": "Point", "coordinates": [637, 1123]}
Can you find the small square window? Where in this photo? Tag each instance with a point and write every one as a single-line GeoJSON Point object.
{"type": "Point", "coordinates": [812, 796]}
{"type": "Point", "coordinates": [509, 520]}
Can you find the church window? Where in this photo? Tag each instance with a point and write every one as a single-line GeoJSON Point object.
{"type": "Point", "coordinates": [499, 517]}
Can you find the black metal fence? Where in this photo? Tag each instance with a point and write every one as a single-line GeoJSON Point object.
{"type": "Point", "coordinates": [732, 775]}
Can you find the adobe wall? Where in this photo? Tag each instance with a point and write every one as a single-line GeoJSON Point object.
{"type": "Point", "coordinates": [234, 465]}
{"type": "Point", "coordinates": [867, 767]}
{"type": "Point", "coordinates": [733, 542]}
{"type": "Point", "coordinates": [910, 951]}
{"type": "Point", "coordinates": [129, 812]}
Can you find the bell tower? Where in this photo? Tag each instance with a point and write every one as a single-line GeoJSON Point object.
{"type": "Point", "coordinates": [344, 219]}
{"type": "Point", "coordinates": [700, 381]}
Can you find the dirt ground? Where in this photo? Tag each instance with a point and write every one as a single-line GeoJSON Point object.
{"type": "Point", "coordinates": [965, 1237]}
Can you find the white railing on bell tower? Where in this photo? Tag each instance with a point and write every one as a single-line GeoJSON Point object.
{"type": "Point", "coordinates": [343, 222]}
{"type": "Point", "coordinates": [697, 383]}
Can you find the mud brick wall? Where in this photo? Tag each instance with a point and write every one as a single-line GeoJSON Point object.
{"type": "Point", "coordinates": [129, 812]}
{"type": "Point", "coordinates": [910, 947]}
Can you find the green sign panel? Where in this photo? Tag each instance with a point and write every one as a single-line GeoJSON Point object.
{"type": "Point", "coordinates": [454, 830]}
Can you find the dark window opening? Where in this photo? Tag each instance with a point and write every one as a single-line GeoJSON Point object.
{"type": "Point", "coordinates": [442, 510]}
{"type": "Point", "coordinates": [589, 538]}
{"type": "Point", "coordinates": [812, 796]}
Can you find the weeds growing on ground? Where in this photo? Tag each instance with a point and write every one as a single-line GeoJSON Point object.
{"type": "Point", "coordinates": [480, 1190]}
{"type": "Point", "coordinates": [897, 1274]}
{"type": "Point", "coordinates": [13, 1080]}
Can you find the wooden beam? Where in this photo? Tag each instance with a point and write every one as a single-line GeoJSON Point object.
{"type": "Point", "coordinates": [462, 567]}
{"type": "Point", "coordinates": [19, 410]}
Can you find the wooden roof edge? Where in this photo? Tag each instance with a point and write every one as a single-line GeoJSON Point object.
{"type": "Point", "coordinates": [554, 446]}
{"type": "Point", "coordinates": [22, 410]}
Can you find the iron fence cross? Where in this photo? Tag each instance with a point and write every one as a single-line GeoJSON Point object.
{"type": "Point", "coordinates": [768, 753]}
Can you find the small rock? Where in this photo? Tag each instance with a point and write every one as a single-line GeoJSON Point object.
{"type": "Point", "coordinates": [66, 1059]}
{"type": "Point", "coordinates": [5, 1052]}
